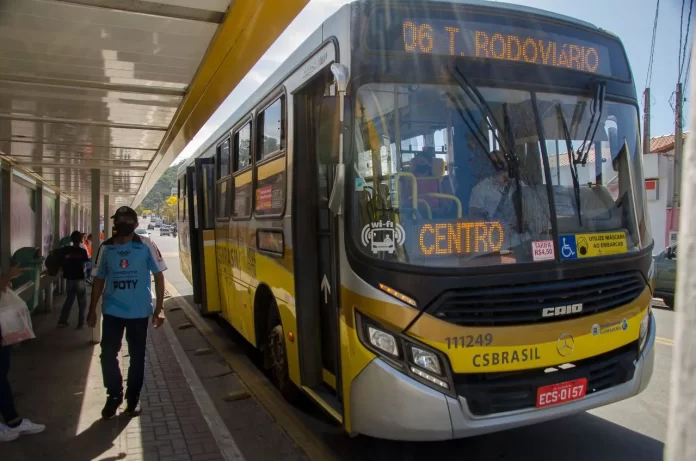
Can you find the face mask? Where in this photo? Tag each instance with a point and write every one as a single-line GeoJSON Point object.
{"type": "Point", "coordinates": [124, 229]}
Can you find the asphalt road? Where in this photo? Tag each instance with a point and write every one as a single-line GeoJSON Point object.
{"type": "Point", "coordinates": [631, 430]}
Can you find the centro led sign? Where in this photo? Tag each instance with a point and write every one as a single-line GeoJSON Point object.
{"type": "Point", "coordinates": [460, 237]}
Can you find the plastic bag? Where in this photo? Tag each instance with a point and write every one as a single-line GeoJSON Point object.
{"type": "Point", "coordinates": [15, 319]}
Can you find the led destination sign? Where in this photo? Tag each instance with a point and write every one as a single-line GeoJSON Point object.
{"type": "Point", "coordinates": [503, 42]}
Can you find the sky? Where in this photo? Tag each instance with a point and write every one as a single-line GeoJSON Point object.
{"type": "Point", "coordinates": [631, 20]}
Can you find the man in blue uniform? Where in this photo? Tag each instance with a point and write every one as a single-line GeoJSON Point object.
{"type": "Point", "coordinates": [122, 271]}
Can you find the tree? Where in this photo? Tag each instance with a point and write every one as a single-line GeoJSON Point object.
{"type": "Point", "coordinates": [169, 209]}
{"type": "Point", "coordinates": [162, 189]}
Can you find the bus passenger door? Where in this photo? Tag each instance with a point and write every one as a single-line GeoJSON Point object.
{"type": "Point", "coordinates": [315, 248]}
{"type": "Point", "coordinates": [192, 222]}
{"type": "Point", "coordinates": [205, 220]}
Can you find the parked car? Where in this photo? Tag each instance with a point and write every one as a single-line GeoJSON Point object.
{"type": "Point", "coordinates": [151, 226]}
{"type": "Point", "coordinates": [666, 275]}
{"type": "Point", "coordinates": [164, 230]}
{"type": "Point", "coordinates": [140, 232]}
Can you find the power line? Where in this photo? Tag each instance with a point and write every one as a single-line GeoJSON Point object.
{"type": "Point", "coordinates": [648, 77]}
{"type": "Point", "coordinates": [688, 70]}
{"type": "Point", "coordinates": [686, 39]}
{"type": "Point", "coordinates": [681, 36]}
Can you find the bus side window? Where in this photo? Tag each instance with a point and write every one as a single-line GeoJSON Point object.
{"type": "Point", "coordinates": [270, 160]}
{"type": "Point", "coordinates": [241, 209]}
{"type": "Point", "coordinates": [222, 177]}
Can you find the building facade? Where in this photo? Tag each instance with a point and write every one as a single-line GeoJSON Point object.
{"type": "Point", "coordinates": [658, 166]}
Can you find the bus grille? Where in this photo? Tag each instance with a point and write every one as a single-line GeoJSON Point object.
{"type": "Point", "coordinates": [490, 393]}
{"type": "Point", "coordinates": [507, 305]}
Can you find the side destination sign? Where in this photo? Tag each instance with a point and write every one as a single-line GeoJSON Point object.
{"type": "Point", "coordinates": [592, 245]}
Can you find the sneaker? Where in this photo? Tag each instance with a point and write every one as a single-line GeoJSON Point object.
{"type": "Point", "coordinates": [6, 435]}
{"type": "Point", "coordinates": [26, 427]}
{"type": "Point", "coordinates": [133, 409]}
{"type": "Point", "coordinates": [111, 407]}
{"type": "Point", "coordinates": [63, 325]}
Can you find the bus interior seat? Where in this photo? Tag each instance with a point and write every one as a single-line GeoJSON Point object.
{"type": "Point", "coordinates": [535, 208]}
{"type": "Point", "coordinates": [597, 205]}
{"type": "Point", "coordinates": [431, 184]}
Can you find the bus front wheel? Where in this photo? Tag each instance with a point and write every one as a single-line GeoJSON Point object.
{"type": "Point", "coordinates": [277, 360]}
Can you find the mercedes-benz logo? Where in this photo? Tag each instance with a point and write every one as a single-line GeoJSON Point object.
{"type": "Point", "coordinates": [565, 345]}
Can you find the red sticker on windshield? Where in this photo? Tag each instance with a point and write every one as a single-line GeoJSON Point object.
{"type": "Point", "coordinates": [542, 250]}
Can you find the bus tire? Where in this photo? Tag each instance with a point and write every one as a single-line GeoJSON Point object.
{"type": "Point", "coordinates": [277, 360]}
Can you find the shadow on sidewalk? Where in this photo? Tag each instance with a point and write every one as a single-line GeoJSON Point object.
{"type": "Point", "coordinates": [57, 381]}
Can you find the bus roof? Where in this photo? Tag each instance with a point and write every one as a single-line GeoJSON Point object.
{"type": "Point", "coordinates": [523, 9]}
{"type": "Point", "coordinates": [316, 38]}
{"type": "Point", "coordinates": [296, 58]}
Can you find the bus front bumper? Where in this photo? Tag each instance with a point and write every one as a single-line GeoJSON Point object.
{"type": "Point", "coordinates": [387, 404]}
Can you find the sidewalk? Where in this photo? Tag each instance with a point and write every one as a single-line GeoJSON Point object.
{"type": "Point", "coordinates": [57, 381]}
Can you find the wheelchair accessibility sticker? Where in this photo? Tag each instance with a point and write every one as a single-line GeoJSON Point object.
{"type": "Point", "coordinates": [592, 245]}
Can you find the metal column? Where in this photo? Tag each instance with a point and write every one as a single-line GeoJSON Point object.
{"type": "Point", "coordinates": [38, 216]}
{"type": "Point", "coordinates": [107, 217]}
{"type": "Point", "coordinates": [68, 212]}
{"type": "Point", "coordinates": [96, 242]}
{"type": "Point", "coordinates": [56, 224]}
{"type": "Point", "coordinates": [6, 213]}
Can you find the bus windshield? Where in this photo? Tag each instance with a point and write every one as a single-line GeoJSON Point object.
{"type": "Point", "coordinates": [442, 178]}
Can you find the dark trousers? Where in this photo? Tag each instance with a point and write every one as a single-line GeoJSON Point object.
{"type": "Point", "coordinates": [74, 289]}
{"type": "Point", "coordinates": [136, 337]}
{"type": "Point", "coordinates": [7, 408]}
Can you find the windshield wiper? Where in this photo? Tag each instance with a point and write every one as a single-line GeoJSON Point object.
{"type": "Point", "coordinates": [580, 157]}
{"type": "Point", "coordinates": [487, 114]}
{"type": "Point", "coordinates": [505, 142]}
{"type": "Point", "coordinates": [596, 110]}
{"type": "Point", "coordinates": [571, 159]}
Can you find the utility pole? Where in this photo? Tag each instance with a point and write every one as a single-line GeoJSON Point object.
{"type": "Point", "coordinates": [646, 122]}
{"type": "Point", "coordinates": [681, 430]}
{"type": "Point", "coordinates": [678, 142]}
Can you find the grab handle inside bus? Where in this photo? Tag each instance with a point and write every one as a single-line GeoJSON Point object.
{"type": "Point", "coordinates": [329, 147]}
{"type": "Point", "coordinates": [341, 75]}
{"type": "Point", "coordinates": [329, 131]}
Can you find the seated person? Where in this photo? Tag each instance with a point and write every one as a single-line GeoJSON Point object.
{"type": "Point", "coordinates": [421, 167]}
{"type": "Point", "coordinates": [492, 200]}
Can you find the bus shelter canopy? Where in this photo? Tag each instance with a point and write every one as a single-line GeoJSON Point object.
{"type": "Point", "coordinates": [119, 85]}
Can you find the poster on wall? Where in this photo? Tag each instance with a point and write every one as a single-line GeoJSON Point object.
{"type": "Point", "coordinates": [23, 229]}
{"type": "Point", "coordinates": [672, 238]}
{"type": "Point", "coordinates": [47, 227]}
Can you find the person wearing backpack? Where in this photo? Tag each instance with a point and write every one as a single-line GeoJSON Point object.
{"type": "Point", "coordinates": [72, 260]}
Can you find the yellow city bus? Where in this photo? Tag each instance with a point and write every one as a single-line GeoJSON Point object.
{"type": "Point", "coordinates": [431, 219]}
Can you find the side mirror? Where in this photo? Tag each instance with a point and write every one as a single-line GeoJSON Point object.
{"type": "Point", "coordinates": [329, 130]}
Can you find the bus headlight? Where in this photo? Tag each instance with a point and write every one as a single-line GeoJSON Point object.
{"type": "Point", "coordinates": [418, 361]}
{"type": "Point", "coordinates": [426, 360]}
{"type": "Point", "coordinates": [644, 326]}
{"type": "Point", "coordinates": [383, 340]}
